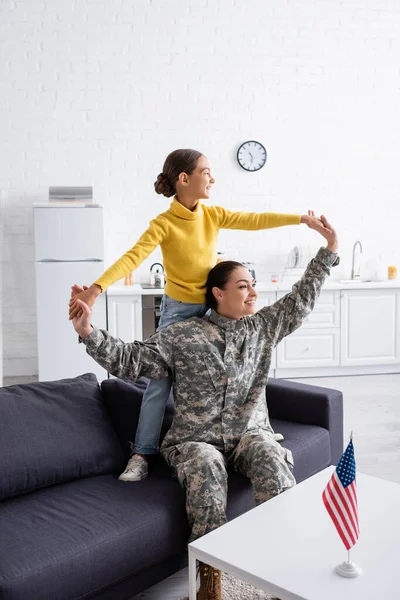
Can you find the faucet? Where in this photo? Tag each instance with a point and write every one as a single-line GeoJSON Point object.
{"type": "Point", "coordinates": [355, 272]}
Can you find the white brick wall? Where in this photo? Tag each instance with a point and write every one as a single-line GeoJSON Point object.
{"type": "Point", "coordinates": [97, 93]}
{"type": "Point", "coordinates": [1, 284]}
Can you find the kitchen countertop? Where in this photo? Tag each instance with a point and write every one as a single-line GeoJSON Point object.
{"type": "Point", "coordinates": [133, 290]}
{"type": "Point", "coordinates": [263, 286]}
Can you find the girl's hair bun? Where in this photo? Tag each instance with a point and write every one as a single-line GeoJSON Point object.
{"type": "Point", "coordinates": [163, 186]}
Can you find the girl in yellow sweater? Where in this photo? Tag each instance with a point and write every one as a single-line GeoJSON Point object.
{"type": "Point", "coordinates": [187, 233]}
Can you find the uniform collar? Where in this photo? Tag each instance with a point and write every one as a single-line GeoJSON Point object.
{"type": "Point", "coordinates": [224, 322]}
{"type": "Point", "coordinates": [184, 213]}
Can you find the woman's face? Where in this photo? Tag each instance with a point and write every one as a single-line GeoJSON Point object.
{"type": "Point", "coordinates": [200, 182]}
{"type": "Point", "coordinates": [238, 299]}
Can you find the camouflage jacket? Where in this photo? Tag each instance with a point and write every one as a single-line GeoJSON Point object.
{"type": "Point", "coordinates": [219, 366]}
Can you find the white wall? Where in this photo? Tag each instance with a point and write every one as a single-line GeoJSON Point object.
{"type": "Point", "coordinates": [1, 284]}
{"type": "Point", "coordinates": [96, 92]}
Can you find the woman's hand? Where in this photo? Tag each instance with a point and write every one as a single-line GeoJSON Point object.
{"type": "Point", "coordinates": [324, 228]}
{"type": "Point", "coordinates": [81, 323]}
{"type": "Point", "coordinates": [86, 295]}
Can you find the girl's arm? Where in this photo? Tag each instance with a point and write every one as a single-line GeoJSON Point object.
{"type": "Point", "coordinates": [130, 261]}
{"type": "Point", "coordinates": [227, 219]}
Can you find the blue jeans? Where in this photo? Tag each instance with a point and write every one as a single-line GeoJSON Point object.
{"type": "Point", "coordinates": [155, 397]}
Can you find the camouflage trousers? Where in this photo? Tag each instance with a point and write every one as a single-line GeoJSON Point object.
{"type": "Point", "coordinates": [201, 470]}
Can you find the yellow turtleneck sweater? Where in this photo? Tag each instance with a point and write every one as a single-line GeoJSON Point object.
{"type": "Point", "coordinates": [188, 241]}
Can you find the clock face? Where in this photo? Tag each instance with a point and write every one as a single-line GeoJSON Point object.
{"type": "Point", "coordinates": [252, 156]}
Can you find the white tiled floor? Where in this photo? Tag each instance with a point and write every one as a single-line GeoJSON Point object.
{"type": "Point", "coordinates": [372, 411]}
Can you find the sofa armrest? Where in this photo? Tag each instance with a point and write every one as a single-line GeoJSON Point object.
{"type": "Point", "coordinates": [310, 405]}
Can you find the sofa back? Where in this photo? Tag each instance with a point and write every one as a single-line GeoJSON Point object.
{"type": "Point", "coordinates": [51, 432]}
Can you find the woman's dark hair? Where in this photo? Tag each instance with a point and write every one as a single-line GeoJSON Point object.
{"type": "Point", "coordinates": [179, 161]}
{"type": "Point", "coordinates": [218, 277]}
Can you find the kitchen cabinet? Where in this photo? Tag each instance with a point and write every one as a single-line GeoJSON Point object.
{"type": "Point", "coordinates": [265, 299]}
{"type": "Point", "coordinates": [309, 348]}
{"type": "Point", "coordinates": [317, 342]}
{"type": "Point", "coordinates": [370, 327]}
{"type": "Point", "coordinates": [326, 313]}
{"type": "Point", "coordinates": [125, 316]}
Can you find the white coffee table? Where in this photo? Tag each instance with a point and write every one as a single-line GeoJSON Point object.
{"type": "Point", "coordinates": [289, 546]}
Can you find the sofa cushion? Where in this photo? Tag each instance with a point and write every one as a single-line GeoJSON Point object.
{"type": "Point", "coordinates": [70, 540]}
{"type": "Point", "coordinates": [123, 400]}
{"type": "Point", "coordinates": [66, 541]}
{"type": "Point", "coordinates": [53, 432]}
{"type": "Point", "coordinates": [309, 444]}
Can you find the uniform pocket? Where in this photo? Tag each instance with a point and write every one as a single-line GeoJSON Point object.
{"type": "Point", "coordinates": [216, 371]}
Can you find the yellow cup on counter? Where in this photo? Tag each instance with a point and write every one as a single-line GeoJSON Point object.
{"type": "Point", "coordinates": [392, 272]}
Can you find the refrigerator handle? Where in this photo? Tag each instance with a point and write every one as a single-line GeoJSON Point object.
{"type": "Point", "coordinates": [81, 260]}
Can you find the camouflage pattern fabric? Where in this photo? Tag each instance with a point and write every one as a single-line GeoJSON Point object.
{"type": "Point", "coordinates": [219, 368]}
{"type": "Point", "coordinates": [201, 470]}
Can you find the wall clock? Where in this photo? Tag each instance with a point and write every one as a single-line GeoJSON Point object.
{"type": "Point", "coordinates": [252, 156]}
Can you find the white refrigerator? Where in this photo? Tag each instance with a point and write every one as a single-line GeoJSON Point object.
{"type": "Point", "coordinates": [69, 249]}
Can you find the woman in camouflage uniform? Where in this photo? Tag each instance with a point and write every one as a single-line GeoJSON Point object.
{"type": "Point", "coordinates": [219, 366]}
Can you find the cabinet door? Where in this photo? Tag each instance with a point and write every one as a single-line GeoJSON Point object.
{"type": "Point", "coordinates": [265, 299]}
{"type": "Point", "coordinates": [125, 317]}
{"type": "Point", "coordinates": [309, 348]}
{"type": "Point", "coordinates": [326, 313]}
{"type": "Point", "coordinates": [370, 327]}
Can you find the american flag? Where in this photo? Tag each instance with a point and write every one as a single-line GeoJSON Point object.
{"type": "Point", "coordinates": [340, 498]}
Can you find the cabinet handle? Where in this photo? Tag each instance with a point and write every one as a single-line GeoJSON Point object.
{"type": "Point", "coordinates": [306, 349]}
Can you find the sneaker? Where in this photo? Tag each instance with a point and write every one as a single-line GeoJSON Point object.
{"type": "Point", "coordinates": [135, 470]}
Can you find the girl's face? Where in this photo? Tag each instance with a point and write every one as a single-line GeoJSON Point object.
{"type": "Point", "coordinates": [238, 299]}
{"type": "Point", "coordinates": [200, 182]}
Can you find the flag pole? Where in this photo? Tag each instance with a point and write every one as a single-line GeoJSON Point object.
{"type": "Point", "coordinates": [348, 551]}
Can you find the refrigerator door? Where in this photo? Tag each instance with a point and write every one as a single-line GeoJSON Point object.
{"type": "Point", "coordinates": [68, 233]}
{"type": "Point", "coordinates": [60, 354]}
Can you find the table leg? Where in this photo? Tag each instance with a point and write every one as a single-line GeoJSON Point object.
{"type": "Point", "coordinates": [192, 576]}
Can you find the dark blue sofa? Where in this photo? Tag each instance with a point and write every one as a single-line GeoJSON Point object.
{"type": "Point", "coordinates": [70, 530]}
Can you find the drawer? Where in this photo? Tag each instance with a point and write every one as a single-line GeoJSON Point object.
{"type": "Point", "coordinates": [326, 313]}
{"type": "Point", "coordinates": [316, 348]}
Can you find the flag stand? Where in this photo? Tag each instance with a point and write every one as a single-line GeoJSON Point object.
{"type": "Point", "coordinates": [348, 568]}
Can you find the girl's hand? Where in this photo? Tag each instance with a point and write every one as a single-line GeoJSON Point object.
{"type": "Point", "coordinates": [86, 295]}
{"type": "Point", "coordinates": [310, 219]}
